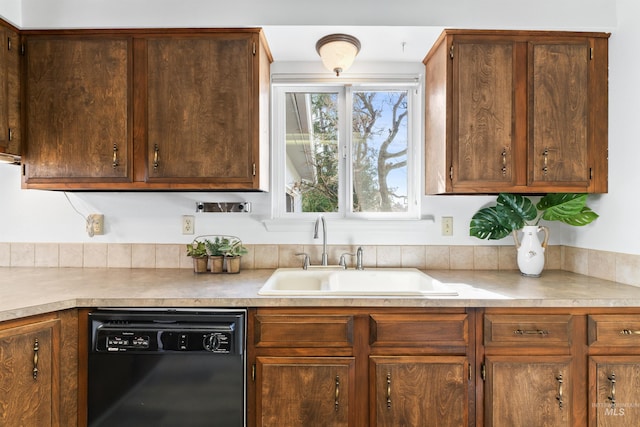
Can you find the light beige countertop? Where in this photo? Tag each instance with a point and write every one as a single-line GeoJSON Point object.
{"type": "Point", "coordinates": [29, 291]}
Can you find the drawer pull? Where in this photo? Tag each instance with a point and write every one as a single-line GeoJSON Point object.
{"type": "Point", "coordinates": [560, 397]}
{"type": "Point", "coordinates": [389, 390]}
{"type": "Point", "coordinates": [530, 332]}
{"type": "Point", "coordinates": [629, 332]}
{"type": "Point", "coordinates": [36, 348]}
{"type": "Point", "coordinates": [612, 395]}
{"type": "Point", "coordinates": [337, 396]}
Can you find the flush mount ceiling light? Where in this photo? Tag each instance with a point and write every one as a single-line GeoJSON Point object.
{"type": "Point", "coordinates": [338, 51]}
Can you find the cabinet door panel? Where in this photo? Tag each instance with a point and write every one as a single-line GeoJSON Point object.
{"type": "Point", "coordinates": [199, 109]}
{"type": "Point", "coordinates": [77, 92]}
{"type": "Point", "coordinates": [29, 400]}
{"type": "Point", "coordinates": [528, 391]}
{"type": "Point", "coordinates": [559, 111]}
{"type": "Point", "coordinates": [419, 391]}
{"type": "Point", "coordinates": [485, 116]}
{"type": "Point", "coordinates": [304, 391]}
{"type": "Point", "coordinates": [614, 391]}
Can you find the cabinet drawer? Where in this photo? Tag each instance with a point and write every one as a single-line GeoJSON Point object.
{"type": "Point", "coordinates": [614, 330]}
{"type": "Point", "coordinates": [413, 330]}
{"type": "Point", "coordinates": [535, 330]}
{"type": "Point", "coordinates": [274, 330]}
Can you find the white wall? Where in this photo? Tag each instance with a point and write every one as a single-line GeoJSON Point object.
{"type": "Point", "coordinates": [40, 216]}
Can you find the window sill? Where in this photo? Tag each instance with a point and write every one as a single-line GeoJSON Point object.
{"type": "Point", "coordinates": [400, 225]}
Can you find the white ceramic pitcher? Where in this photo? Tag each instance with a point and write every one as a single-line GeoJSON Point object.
{"type": "Point", "coordinates": [530, 250]}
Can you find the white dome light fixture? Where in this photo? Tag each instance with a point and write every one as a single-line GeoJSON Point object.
{"type": "Point", "coordinates": [338, 51]}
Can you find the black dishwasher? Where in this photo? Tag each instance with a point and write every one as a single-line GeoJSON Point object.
{"type": "Point", "coordinates": [165, 368]}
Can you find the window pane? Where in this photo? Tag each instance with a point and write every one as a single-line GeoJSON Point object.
{"type": "Point", "coordinates": [311, 179]}
{"type": "Point", "coordinates": [379, 151]}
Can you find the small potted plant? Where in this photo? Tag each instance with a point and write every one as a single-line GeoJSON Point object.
{"type": "Point", "coordinates": [233, 251]}
{"type": "Point", "coordinates": [217, 249]}
{"type": "Point", "coordinates": [198, 251]}
{"type": "Point", "coordinates": [514, 212]}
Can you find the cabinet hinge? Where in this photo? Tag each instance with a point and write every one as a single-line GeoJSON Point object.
{"type": "Point", "coordinates": [590, 173]}
{"type": "Point", "coordinates": [451, 173]}
{"type": "Point", "coordinates": [254, 48]}
{"type": "Point", "coordinates": [590, 53]}
{"type": "Point", "coordinates": [483, 372]}
{"type": "Point", "coordinates": [23, 49]}
{"type": "Point", "coordinates": [254, 169]}
{"type": "Point", "coordinates": [8, 43]}
{"type": "Point", "coordinates": [451, 51]}
{"type": "Point", "coordinates": [10, 136]}
{"type": "Point", "coordinates": [253, 372]}
{"type": "Point", "coordinates": [469, 371]}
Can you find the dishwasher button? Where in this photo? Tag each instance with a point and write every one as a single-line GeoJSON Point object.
{"type": "Point", "coordinates": [183, 342]}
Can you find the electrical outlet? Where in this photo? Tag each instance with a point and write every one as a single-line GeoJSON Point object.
{"type": "Point", "coordinates": [95, 224]}
{"type": "Point", "coordinates": [447, 226]}
{"type": "Point", "coordinates": [188, 224]}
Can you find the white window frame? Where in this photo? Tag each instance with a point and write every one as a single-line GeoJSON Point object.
{"type": "Point", "coordinates": [345, 89]}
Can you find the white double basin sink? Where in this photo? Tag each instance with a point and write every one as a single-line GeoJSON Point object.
{"type": "Point", "coordinates": [368, 282]}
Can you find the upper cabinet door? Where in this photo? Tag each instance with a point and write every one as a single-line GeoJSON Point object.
{"type": "Point", "coordinates": [483, 150]}
{"type": "Point", "coordinates": [77, 117]}
{"type": "Point", "coordinates": [200, 108]}
{"type": "Point", "coordinates": [559, 113]}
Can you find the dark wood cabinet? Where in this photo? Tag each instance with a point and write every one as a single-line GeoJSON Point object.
{"type": "Point", "coordinates": [77, 110]}
{"type": "Point", "coordinates": [360, 367]}
{"type": "Point", "coordinates": [516, 111]}
{"type": "Point", "coordinates": [29, 373]}
{"type": "Point", "coordinates": [144, 110]}
{"type": "Point", "coordinates": [10, 113]}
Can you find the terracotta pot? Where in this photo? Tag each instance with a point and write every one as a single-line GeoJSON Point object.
{"type": "Point", "coordinates": [200, 264]}
{"type": "Point", "coordinates": [217, 262]}
{"type": "Point", "coordinates": [233, 264]}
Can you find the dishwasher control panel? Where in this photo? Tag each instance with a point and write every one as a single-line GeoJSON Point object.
{"type": "Point", "coordinates": [162, 340]}
{"type": "Point", "coordinates": [166, 334]}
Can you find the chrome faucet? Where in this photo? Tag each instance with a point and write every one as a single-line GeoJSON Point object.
{"type": "Point", "coordinates": [325, 257]}
{"type": "Point", "coordinates": [359, 265]}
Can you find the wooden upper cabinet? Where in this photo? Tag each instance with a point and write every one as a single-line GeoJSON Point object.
{"type": "Point", "coordinates": [10, 131]}
{"type": "Point", "coordinates": [77, 110]}
{"type": "Point", "coordinates": [200, 94]}
{"type": "Point", "coordinates": [516, 111]}
{"type": "Point", "coordinates": [147, 109]}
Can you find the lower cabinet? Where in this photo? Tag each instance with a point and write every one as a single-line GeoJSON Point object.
{"type": "Point", "coordinates": [359, 367]}
{"type": "Point", "coordinates": [419, 391]}
{"type": "Point", "coordinates": [305, 391]}
{"type": "Point", "coordinates": [614, 369]}
{"type": "Point", "coordinates": [528, 391]}
{"type": "Point", "coordinates": [38, 371]}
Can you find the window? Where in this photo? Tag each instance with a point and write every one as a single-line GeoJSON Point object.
{"type": "Point", "coordinates": [346, 151]}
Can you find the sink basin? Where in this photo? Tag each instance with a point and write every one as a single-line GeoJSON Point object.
{"type": "Point", "coordinates": [369, 282]}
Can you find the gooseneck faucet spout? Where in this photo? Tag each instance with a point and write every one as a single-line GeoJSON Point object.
{"type": "Point", "coordinates": [325, 257]}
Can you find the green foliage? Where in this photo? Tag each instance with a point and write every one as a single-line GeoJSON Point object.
{"type": "Point", "coordinates": [217, 246]}
{"type": "Point", "coordinates": [197, 249]}
{"type": "Point", "coordinates": [514, 211]}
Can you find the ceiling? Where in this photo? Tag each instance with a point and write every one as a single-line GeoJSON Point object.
{"type": "Point", "coordinates": [388, 44]}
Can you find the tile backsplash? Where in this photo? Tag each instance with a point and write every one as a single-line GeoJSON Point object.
{"type": "Point", "coordinates": [618, 267]}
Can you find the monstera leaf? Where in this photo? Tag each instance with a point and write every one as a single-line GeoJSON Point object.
{"type": "Point", "coordinates": [513, 211]}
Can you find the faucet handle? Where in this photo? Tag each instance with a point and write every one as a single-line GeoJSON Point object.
{"type": "Point", "coordinates": [306, 261]}
{"type": "Point", "coordinates": [343, 262]}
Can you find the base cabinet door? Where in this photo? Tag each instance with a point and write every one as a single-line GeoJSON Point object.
{"type": "Point", "coordinates": [29, 384]}
{"type": "Point", "coordinates": [419, 391]}
{"type": "Point", "coordinates": [304, 391]}
{"type": "Point", "coordinates": [528, 391]}
{"type": "Point", "coordinates": [614, 391]}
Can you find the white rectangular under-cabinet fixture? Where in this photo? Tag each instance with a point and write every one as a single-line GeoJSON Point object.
{"type": "Point", "coordinates": [223, 207]}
